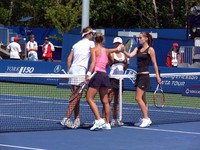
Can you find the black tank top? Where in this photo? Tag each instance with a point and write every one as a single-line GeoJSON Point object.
{"type": "Point", "coordinates": [143, 60]}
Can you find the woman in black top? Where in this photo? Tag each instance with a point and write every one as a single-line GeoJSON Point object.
{"type": "Point", "coordinates": [145, 54]}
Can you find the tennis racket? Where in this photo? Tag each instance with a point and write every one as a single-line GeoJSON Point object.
{"type": "Point", "coordinates": [129, 45]}
{"type": "Point", "coordinates": [159, 96]}
{"type": "Point", "coordinates": [80, 89]}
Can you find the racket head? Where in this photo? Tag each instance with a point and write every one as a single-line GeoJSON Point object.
{"type": "Point", "coordinates": [77, 92]}
{"type": "Point", "coordinates": [159, 97]}
{"type": "Point", "coordinates": [80, 89]}
{"type": "Point", "coordinates": [128, 45]}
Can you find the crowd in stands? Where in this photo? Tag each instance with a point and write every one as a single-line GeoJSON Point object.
{"type": "Point", "coordinates": [15, 50]}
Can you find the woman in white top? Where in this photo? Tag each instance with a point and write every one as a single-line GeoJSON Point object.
{"type": "Point", "coordinates": [77, 63]}
{"type": "Point", "coordinates": [32, 48]}
{"type": "Point", "coordinates": [118, 63]}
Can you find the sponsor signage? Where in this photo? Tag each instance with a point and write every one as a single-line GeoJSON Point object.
{"type": "Point", "coordinates": [171, 84]}
{"type": "Point", "coordinates": [193, 91]}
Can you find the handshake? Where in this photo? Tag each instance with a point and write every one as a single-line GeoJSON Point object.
{"type": "Point", "coordinates": [120, 48]}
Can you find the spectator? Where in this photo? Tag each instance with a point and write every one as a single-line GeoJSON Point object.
{"type": "Point", "coordinates": [173, 57]}
{"type": "Point", "coordinates": [32, 48]}
{"type": "Point", "coordinates": [14, 49]}
{"type": "Point", "coordinates": [47, 49]}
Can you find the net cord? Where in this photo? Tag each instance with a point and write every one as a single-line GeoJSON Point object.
{"type": "Point", "coordinates": [51, 75]}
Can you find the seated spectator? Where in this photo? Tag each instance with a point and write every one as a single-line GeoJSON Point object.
{"type": "Point", "coordinates": [47, 49]}
{"type": "Point", "coordinates": [32, 48]}
{"type": "Point", "coordinates": [15, 49]}
{"type": "Point", "coordinates": [174, 57]}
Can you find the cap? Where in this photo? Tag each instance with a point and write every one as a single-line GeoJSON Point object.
{"type": "Point", "coordinates": [90, 31]}
{"type": "Point", "coordinates": [175, 44]}
{"type": "Point", "coordinates": [16, 38]}
{"type": "Point", "coordinates": [117, 40]}
{"type": "Point", "coordinates": [46, 38]}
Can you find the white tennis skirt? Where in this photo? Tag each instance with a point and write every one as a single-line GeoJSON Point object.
{"type": "Point", "coordinates": [77, 70]}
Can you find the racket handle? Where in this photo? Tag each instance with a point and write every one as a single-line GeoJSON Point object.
{"type": "Point", "coordinates": [92, 74]}
{"type": "Point", "coordinates": [128, 61]}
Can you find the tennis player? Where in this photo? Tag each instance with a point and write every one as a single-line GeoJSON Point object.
{"type": "Point", "coordinates": [77, 64]}
{"type": "Point", "coordinates": [118, 63]}
{"type": "Point", "coordinates": [145, 54]}
{"type": "Point", "coordinates": [100, 82]}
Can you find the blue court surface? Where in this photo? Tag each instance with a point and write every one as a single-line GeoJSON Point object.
{"type": "Point", "coordinates": [178, 136]}
{"type": "Point", "coordinates": [39, 118]}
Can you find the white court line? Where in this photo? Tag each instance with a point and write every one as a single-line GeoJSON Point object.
{"type": "Point", "coordinates": [163, 130]}
{"type": "Point", "coordinates": [32, 118]}
{"type": "Point", "coordinates": [20, 147]}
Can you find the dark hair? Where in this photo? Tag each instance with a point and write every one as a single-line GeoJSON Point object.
{"type": "Point", "coordinates": [99, 38]}
{"type": "Point", "coordinates": [149, 36]}
{"type": "Point", "coordinates": [31, 36]}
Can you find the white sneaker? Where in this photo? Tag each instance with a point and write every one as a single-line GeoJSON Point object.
{"type": "Point", "coordinates": [145, 123]}
{"type": "Point", "coordinates": [113, 122]}
{"type": "Point", "coordinates": [67, 122]}
{"type": "Point", "coordinates": [119, 123]}
{"type": "Point", "coordinates": [106, 126]}
{"type": "Point", "coordinates": [116, 122]}
{"type": "Point", "coordinates": [77, 123]}
{"type": "Point", "coordinates": [138, 123]}
{"type": "Point", "coordinates": [98, 124]}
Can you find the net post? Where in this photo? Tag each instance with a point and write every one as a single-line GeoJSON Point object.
{"type": "Point", "coordinates": [120, 99]}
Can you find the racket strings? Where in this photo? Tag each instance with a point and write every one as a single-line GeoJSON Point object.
{"type": "Point", "coordinates": [159, 99]}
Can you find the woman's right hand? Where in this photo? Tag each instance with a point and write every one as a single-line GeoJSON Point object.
{"type": "Point", "coordinates": [120, 47]}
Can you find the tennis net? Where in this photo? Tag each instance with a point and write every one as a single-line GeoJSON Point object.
{"type": "Point", "coordinates": [33, 102]}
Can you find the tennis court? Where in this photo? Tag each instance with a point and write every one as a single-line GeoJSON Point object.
{"type": "Point", "coordinates": [35, 107]}
{"type": "Point", "coordinates": [180, 136]}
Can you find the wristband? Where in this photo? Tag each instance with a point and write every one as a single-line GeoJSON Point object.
{"type": "Point", "coordinates": [128, 61]}
{"type": "Point", "coordinates": [89, 73]}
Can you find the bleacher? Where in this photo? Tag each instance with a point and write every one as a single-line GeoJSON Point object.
{"type": "Point", "coordinates": [6, 36]}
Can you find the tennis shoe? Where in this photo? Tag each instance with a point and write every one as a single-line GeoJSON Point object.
{"type": "Point", "coordinates": [138, 123]}
{"type": "Point", "coordinates": [106, 126]}
{"type": "Point", "coordinates": [67, 122]}
{"type": "Point", "coordinates": [98, 124]}
{"type": "Point", "coordinates": [62, 122]}
{"type": "Point", "coordinates": [116, 122]}
{"type": "Point", "coordinates": [145, 123]}
{"type": "Point", "coordinates": [77, 123]}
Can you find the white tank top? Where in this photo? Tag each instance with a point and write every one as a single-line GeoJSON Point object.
{"type": "Point", "coordinates": [117, 67]}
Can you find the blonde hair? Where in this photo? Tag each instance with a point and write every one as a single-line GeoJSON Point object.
{"type": "Point", "coordinates": [86, 31]}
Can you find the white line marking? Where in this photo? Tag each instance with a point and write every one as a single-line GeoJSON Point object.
{"type": "Point", "coordinates": [32, 118]}
{"type": "Point", "coordinates": [20, 147]}
{"type": "Point", "coordinates": [163, 130]}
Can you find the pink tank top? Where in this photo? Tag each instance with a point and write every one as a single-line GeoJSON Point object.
{"type": "Point", "coordinates": [101, 61]}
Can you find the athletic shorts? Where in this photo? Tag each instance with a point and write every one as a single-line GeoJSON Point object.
{"type": "Point", "coordinates": [143, 81]}
{"type": "Point", "coordinates": [100, 79]}
{"type": "Point", "coordinates": [77, 70]}
{"type": "Point", "coordinates": [115, 83]}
